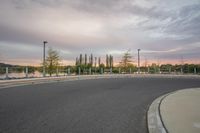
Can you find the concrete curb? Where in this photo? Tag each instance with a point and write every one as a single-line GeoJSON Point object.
{"type": "Point", "coordinates": [154, 118]}
{"type": "Point", "coordinates": [154, 122]}
{"type": "Point", "coordinates": [22, 82]}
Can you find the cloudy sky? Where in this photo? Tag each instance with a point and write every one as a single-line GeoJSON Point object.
{"type": "Point", "coordinates": [165, 30]}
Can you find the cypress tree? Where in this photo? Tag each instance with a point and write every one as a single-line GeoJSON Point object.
{"type": "Point", "coordinates": [85, 59]}
{"type": "Point", "coordinates": [91, 59]}
{"type": "Point", "coordinates": [81, 59]}
{"type": "Point", "coordinates": [99, 61]}
{"type": "Point", "coordinates": [110, 61]}
{"type": "Point", "coordinates": [107, 62]}
{"type": "Point", "coordinates": [95, 62]}
{"type": "Point", "coordinates": [76, 61]}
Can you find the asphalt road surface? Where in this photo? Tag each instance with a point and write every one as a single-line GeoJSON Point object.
{"type": "Point", "coordinates": [87, 106]}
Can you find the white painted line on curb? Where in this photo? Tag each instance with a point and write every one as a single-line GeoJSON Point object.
{"type": "Point", "coordinates": [154, 121]}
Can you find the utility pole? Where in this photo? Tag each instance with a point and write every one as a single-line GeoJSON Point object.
{"type": "Point", "coordinates": [138, 60]}
{"type": "Point", "coordinates": [44, 73]}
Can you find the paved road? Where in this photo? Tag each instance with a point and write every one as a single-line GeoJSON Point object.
{"type": "Point", "coordinates": [87, 106]}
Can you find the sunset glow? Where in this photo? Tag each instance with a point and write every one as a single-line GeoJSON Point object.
{"type": "Point", "coordinates": [165, 31]}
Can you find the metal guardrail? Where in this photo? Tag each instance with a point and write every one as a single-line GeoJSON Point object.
{"type": "Point", "coordinates": [28, 72]}
{"type": "Point", "coordinates": [17, 82]}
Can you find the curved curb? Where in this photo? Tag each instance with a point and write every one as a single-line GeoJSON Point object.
{"type": "Point", "coordinates": [180, 108]}
{"type": "Point", "coordinates": [22, 82]}
{"type": "Point", "coordinates": [154, 119]}
{"type": "Point", "coordinates": [29, 81]}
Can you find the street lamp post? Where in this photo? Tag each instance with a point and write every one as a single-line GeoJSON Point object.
{"type": "Point", "coordinates": [44, 73]}
{"type": "Point", "coordinates": [138, 60]}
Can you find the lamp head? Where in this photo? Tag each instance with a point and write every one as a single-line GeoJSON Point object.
{"type": "Point", "coordinates": [45, 42]}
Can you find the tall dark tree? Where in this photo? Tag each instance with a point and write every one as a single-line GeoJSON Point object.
{"type": "Point", "coordinates": [107, 61]}
{"type": "Point", "coordinates": [77, 61]}
{"type": "Point", "coordinates": [99, 60]}
{"type": "Point", "coordinates": [111, 61]}
{"type": "Point", "coordinates": [91, 59]}
{"type": "Point", "coordinates": [85, 59]}
{"type": "Point", "coordinates": [95, 62]}
{"type": "Point", "coordinates": [81, 59]}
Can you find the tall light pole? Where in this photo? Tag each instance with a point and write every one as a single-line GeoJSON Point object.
{"type": "Point", "coordinates": [138, 60]}
{"type": "Point", "coordinates": [44, 73]}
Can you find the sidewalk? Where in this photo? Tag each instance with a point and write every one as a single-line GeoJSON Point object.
{"type": "Point", "coordinates": [178, 112]}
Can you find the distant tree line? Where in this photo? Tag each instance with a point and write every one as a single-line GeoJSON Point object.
{"type": "Point", "coordinates": [169, 68]}
{"type": "Point", "coordinates": [109, 61]}
{"type": "Point", "coordinates": [86, 64]}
